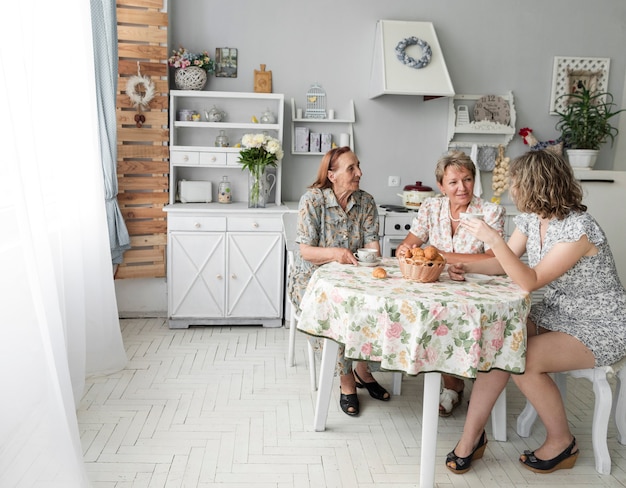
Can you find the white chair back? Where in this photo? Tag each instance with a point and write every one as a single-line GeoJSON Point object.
{"type": "Point", "coordinates": [290, 223]}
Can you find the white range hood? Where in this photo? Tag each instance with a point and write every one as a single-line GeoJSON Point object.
{"type": "Point", "coordinates": [393, 76]}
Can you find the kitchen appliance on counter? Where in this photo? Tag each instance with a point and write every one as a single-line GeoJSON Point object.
{"type": "Point", "coordinates": [397, 223]}
{"type": "Point", "coordinates": [414, 195]}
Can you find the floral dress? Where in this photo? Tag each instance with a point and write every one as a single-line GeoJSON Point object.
{"type": "Point", "coordinates": [588, 301]}
{"type": "Point", "coordinates": [433, 225]}
{"type": "Point", "coordinates": [323, 223]}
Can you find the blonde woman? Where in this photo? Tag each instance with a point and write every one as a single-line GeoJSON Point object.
{"type": "Point", "coordinates": [579, 324]}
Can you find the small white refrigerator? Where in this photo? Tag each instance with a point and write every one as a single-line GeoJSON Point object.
{"type": "Point", "coordinates": [605, 197]}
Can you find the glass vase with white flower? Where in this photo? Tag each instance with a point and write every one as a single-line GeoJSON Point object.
{"type": "Point", "coordinates": [259, 151]}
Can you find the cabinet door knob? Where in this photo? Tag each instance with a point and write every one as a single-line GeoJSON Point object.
{"type": "Point", "coordinates": [233, 276]}
{"type": "Point", "coordinates": [197, 225]}
{"type": "Point", "coordinates": [219, 276]}
{"type": "Point", "coordinates": [255, 225]}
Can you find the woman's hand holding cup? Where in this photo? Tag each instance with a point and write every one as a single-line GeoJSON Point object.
{"type": "Point", "coordinates": [480, 229]}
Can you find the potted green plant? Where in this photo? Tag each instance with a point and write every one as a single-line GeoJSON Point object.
{"type": "Point", "coordinates": [585, 124]}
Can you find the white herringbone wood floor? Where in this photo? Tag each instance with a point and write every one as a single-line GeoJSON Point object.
{"type": "Point", "coordinates": [216, 406]}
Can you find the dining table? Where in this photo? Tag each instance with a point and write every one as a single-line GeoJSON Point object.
{"type": "Point", "coordinates": [454, 327]}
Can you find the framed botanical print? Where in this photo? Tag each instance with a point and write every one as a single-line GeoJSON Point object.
{"type": "Point", "coordinates": [570, 74]}
{"type": "Point", "coordinates": [226, 62]}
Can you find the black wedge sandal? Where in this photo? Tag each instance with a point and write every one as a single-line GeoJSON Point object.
{"type": "Point", "coordinates": [348, 401]}
{"type": "Point", "coordinates": [460, 465]}
{"type": "Point", "coordinates": [375, 390]}
{"type": "Point", "coordinates": [565, 460]}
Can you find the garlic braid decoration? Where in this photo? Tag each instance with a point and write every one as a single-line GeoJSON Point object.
{"type": "Point", "coordinates": [500, 175]}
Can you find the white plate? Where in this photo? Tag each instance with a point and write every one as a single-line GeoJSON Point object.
{"type": "Point", "coordinates": [480, 278]}
{"type": "Point", "coordinates": [370, 265]}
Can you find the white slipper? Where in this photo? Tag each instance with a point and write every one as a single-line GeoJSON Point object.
{"type": "Point", "coordinates": [448, 401]}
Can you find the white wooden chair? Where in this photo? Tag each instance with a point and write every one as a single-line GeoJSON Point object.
{"type": "Point", "coordinates": [290, 220]}
{"type": "Point", "coordinates": [605, 404]}
{"type": "Point", "coordinates": [289, 232]}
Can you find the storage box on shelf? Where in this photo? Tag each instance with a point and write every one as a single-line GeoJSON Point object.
{"type": "Point", "coordinates": [302, 127]}
{"type": "Point", "coordinates": [193, 151]}
{"type": "Point", "coordinates": [224, 260]}
{"type": "Point", "coordinates": [481, 133]}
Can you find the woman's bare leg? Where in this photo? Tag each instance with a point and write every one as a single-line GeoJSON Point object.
{"type": "Point", "coordinates": [485, 392]}
{"type": "Point", "coordinates": [551, 352]}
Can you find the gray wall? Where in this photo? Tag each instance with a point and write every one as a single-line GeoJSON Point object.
{"type": "Point", "coordinates": [490, 46]}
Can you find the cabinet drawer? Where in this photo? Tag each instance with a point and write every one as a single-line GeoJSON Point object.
{"type": "Point", "coordinates": [199, 223]}
{"type": "Point", "coordinates": [184, 157]}
{"type": "Point", "coordinates": [233, 159]}
{"type": "Point", "coordinates": [255, 224]}
{"type": "Point", "coordinates": [212, 158]}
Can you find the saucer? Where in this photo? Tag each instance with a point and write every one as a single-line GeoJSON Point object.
{"type": "Point", "coordinates": [478, 278]}
{"type": "Point", "coordinates": [370, 263]}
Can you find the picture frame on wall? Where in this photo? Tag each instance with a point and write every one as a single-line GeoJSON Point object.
{"type": "Point", "coordinates": [226, 62]}
{"type": "Point", "coordinates": [569, 72]}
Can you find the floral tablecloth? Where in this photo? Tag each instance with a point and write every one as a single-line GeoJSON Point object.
{"type": "Point", "coordinates": [448, 326]}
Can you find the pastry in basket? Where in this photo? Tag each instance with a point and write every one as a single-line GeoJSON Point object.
{"type": "Point", "coordinates": [415, 254]}
{"type": "Point", "coordinates": [431, 253]}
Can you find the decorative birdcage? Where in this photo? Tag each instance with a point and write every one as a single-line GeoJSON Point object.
{"type": "Point", "coordinates": [315, 102]}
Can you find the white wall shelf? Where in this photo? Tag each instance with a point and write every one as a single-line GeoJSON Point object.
{"type": "Point", "coordinates": [342, 123]}
{"type": "Point", "coordinates": [193, 154]}
{"type": "Point", "coordinates": [481, 133]}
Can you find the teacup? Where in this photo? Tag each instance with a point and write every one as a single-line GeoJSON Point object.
{"type": "Point", "coordinates": [366, 255]}
{"type": "Point", "coordinates": [467, 215]}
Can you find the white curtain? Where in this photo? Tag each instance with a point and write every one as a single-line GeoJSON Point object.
{"type": "Point", "coordinates": [59, 316]}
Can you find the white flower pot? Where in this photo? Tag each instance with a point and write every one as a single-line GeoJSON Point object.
{"type": "Point", "coordinates": [582, 158]}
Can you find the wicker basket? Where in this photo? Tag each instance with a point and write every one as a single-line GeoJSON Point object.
{"type": "Point", "coordinates": [191, 78]}
{"type": "Point", "coordinates": [424, 272]}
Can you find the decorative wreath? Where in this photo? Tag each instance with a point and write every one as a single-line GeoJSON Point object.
{"type": "Point", "coordinates": [422, 62]}
{"type": "Point", "coordinates": [139, 100]}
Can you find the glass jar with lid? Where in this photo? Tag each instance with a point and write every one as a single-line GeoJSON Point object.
{"type": "Point", "coordinates": [268, 117]}
{"type": "Point", "coordinates": [222, 140]}
{"type": "Point", "coordinates": [224, 194]}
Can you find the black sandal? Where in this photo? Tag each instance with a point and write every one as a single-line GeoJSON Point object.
{"type": "Point", "coordinates": [374, 388]}
{"type": "Point", "coordinates": [565, 460]}
{"type": "Point", "coordinates": [461, 465]}
{"type": "Point", "coordinates": [349, 401]}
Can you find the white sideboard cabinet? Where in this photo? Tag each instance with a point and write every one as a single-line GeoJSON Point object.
{"type": "Point", "coordinates": [225, 268]}
{"type": "Point", "coordinates": [225, 261]}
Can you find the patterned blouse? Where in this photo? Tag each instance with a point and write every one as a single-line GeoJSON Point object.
{"type": "Point", "coordinates": [323, 223]}
{"type": "Point", "coordinates": [433, 225]}
{"type": "Point", "coordinates": [588, 301]}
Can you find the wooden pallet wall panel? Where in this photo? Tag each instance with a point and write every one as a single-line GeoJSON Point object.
{"type": "Point", "coordinates": [142, 152]}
